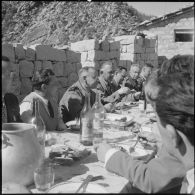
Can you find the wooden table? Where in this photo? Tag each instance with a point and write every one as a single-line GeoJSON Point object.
{"type": "Point", "coordinates": [90, 165]}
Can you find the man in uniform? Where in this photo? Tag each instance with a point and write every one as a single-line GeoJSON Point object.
{"type": "Point", "coordinates": [145, 73]}
{"type": "Point", "coordinates": [131, 81]}
{"type": "Point", "coordinates": [10, 104]}
{"type": "Point", "coordinates": [109, 93]}
{"type": "Point", "coordinates": [73, 99]}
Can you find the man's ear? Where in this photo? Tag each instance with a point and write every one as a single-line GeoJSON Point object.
{"type": "Point", "coordinates": [173, 135]}
{"type": "Point", "coordinates": [43, 87]}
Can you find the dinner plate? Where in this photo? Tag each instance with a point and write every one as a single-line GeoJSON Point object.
{"type": "Point", "coordinates": [73, 125]}
{"type": "Point", "coordinates": [72, 187]}
{"type": "Point", "coordinates": [117, 119]}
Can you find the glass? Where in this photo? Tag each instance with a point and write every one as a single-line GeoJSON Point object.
{"type": "Point", "coordinates": [44, 177]}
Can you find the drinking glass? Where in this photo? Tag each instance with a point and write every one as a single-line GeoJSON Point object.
{"type": "Point", "coordinates": [44, 177]}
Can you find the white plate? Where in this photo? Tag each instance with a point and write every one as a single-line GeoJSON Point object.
{"type": "Point", "coordinates": [72, 187]}
{"type": "Point", "coordinates": [111, 118]}
{"type": "Point", "coordinates": [73, 125]}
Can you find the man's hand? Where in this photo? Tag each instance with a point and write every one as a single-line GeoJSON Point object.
{"type": "Point", "coordinates": [102, 150]}
{"type": "Point", "coordinates": [137, 95]}
{"type": "Point", "coordinates": [124, 90]}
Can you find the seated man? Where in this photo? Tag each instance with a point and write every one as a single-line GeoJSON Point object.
{"type": "Point", "coordinates": [144, 74]}
{"type": "Point", "coordinates": [131, 80]}
{"type": "Point", "coordinates": [109, 93]}
{"type": "Point", "coordinates": [73, 99]}
{"type": "Point", "coordinates": [10, 104]}
{"type": "Point", "coordinates": [175, 121]}
{"type": "Point", "coordinates": [43, 82]}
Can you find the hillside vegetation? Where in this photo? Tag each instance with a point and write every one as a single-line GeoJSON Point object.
{"type": "Point", "coordinates": [61, 22]}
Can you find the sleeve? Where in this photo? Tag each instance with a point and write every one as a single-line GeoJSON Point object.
{"type": "Point", "coordinates": [26, 111]}
{"type": "Point", "coordinates": [157, 175]}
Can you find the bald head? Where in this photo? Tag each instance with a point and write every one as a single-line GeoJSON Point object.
{"type": "Point", "coordinates": [134, 71]}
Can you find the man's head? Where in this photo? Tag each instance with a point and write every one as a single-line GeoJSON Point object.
{"type": "Point", "coordinates": [6, 72]}
{"type": "Point", "coordinates": [134, 71]}
{"type": "Point", "coordinates": [106, 71]}
{"type": "Point", "coordinates": [120, 74]}
{"type": "Point", "coordinates": [88, 77]}
{"type": "Point", "coordinates": [174, 106]}
{"type": "Point", "coordinates": [146, 70]}
{"type": "Point", "coordinates": [179, 63]}
{"type": "Point", "coordinates": [45, 81]}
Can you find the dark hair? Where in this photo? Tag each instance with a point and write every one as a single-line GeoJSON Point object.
{"type": "Point", "coordinates": [41, 77]}
{"type": "Point", "coordinates": [120, 68]}
{"type": "Point", "coordinates": [174, 103]}
{"type": "Point", "coordinates": [149, 65]}
{"type": "Point", "coordinates": [179, 63]}
{"type": "Point", "coordinates": [5, 59]}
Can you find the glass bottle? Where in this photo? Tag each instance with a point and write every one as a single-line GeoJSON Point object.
{"type": "Point", "coordinates": [39, 125]}
{"type": "Point", "coordinates": [142, 100]}
{"type": "Point", "coordinates": [98, 113]}
{"type": "Point", "coordinates": [86, 131]}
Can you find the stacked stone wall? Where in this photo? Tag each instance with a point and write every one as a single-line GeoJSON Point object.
{"type": "Point", "coordinates": [67, 61]}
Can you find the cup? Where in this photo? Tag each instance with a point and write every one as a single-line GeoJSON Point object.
{"type": "Point", "coordinates": [44, 176]}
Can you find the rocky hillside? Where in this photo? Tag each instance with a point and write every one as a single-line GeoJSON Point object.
{"type": "Point", "coordinates": [61, 22]}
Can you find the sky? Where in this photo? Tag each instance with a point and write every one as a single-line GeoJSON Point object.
{"type": "Point", "coordinates": [158, 8]}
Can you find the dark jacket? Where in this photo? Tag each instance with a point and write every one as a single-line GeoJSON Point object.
{"type": "Point", "coordinates": [72, 102]}
{"type": "Point", "coordinates": [13, 109]}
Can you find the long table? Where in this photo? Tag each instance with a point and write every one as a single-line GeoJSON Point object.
{"type": "Point", "coordinates": [90, 165]}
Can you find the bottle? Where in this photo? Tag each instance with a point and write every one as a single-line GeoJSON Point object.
{"type": "Point", "coordinates": [142, 100]}
{"type": "Point", "coordinates": [86, 132]}
{"type": "Point", "coordinates": [39, 125]}
{"type": "Point", "coordinates": [98, 113]}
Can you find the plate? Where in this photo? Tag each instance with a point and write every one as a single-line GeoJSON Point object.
{"type": "Point", "coordinates": [118, 119]}
{"type": "Point", "coordinates": [72, 187]}
{"type": "Point", "coordinates": [73, 125]}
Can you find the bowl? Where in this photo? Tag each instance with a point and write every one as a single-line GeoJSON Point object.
{"type": "Point", "coordinates": [72, 187]}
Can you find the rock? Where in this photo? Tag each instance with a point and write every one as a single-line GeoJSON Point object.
{"type": "Point", "coordinates": [69, 68]}
{"type": "Point", "coordinates": [84, 56]}
{"type": "Point", "coordinates": [73, 56]}
{"type": "Point", "coordinates": [26, 85]}
{"type": "Point", "coordinates": [127, 56]}
{"type": "Point", "coordinates": [73, 77]}
{"type": "Point", "coordinates": [30, 54]}
{"type": "Point", "coordinates": [114, 46]}
{"type": "Point", "coordinates": [58, 68]}
{"type": "Point", "coordinates": [46, 52]}
{"type": "Point", "coordinates": [63, 81]}
{"type": "Point", "coordinates": [38, 65]}
{"type": "Point", "coordinates": [47, 64]}
{"type": "Point", "coordinates": [15, 68]}
{"type": "Point", "coordinates": [105, 45]}
{"type": "Point", "coordinates": [8, 51]}
{"type": "Point", "coordinates": [85, 45]}
{"type": "Point", "coordinates": [19, 52]}
{"type": "Point", "coordinates": [26, 68]}
{"type": "Point", "coordinates": [150, 50]}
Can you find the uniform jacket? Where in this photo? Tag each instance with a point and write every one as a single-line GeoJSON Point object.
{"type": "Point", "coordinates": [72, 102]}
{"type": "Point", "coordinates": [12, 107]}
{"type": "Point", "coordinates": [107, 91]}
{"type": "Point", "coordinates": [161, 174]}
{"type": "Point", "coordinates": [132, 84]}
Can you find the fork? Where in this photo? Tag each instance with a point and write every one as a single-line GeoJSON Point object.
{"type": "Point", "coordinates": [85, 183]}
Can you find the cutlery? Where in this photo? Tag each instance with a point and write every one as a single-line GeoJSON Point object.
{"type": "Point", "coordinates": [84, 183]}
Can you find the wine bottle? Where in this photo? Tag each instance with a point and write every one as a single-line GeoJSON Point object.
{"type": "Point", "coordinates": [86, 132]}
{"type": "Point", "coordinates": [98, 113]}
{"type": "Point", "coordinates": [39, 124]}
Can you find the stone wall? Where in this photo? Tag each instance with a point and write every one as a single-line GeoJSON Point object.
{"type": "Point", "coordinates": [66, 61]}
{"type": "Point", "coordinates": [166, 43]}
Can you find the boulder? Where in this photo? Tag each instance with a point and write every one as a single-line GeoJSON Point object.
{"type": "Point", "coordinates": [58, 68]}
{"type": "Point", "coordinates": [26, 85]}
{"type": "Point", "coordinates": [8, 51]}
{"type": "Point", "coordinates": [47, 64]}
{"type": "Point", "coordinates": [26, 68]}
{"type": "Point", "coordinates": [19, 52]}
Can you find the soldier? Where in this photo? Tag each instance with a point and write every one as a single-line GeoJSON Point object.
{"type": "Point", "coordinates": [145, 73]}
{"type": "Point", "coordinates": [109, 93]}
{"type": "Point", "coordinates": [10, 104]}
{"type": "Point", "coordinates": [73, 99]}
{"type": "Point", "coordinates": [44, 82]}
{"type": "Point", "coordinates": [131, 81]}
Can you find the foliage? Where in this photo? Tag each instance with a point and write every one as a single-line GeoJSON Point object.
{"type": "Point", "coordinates": [60, 22]}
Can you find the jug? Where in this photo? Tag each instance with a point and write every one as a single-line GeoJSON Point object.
{"type": "Point", "coordinates": [21, 153]}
